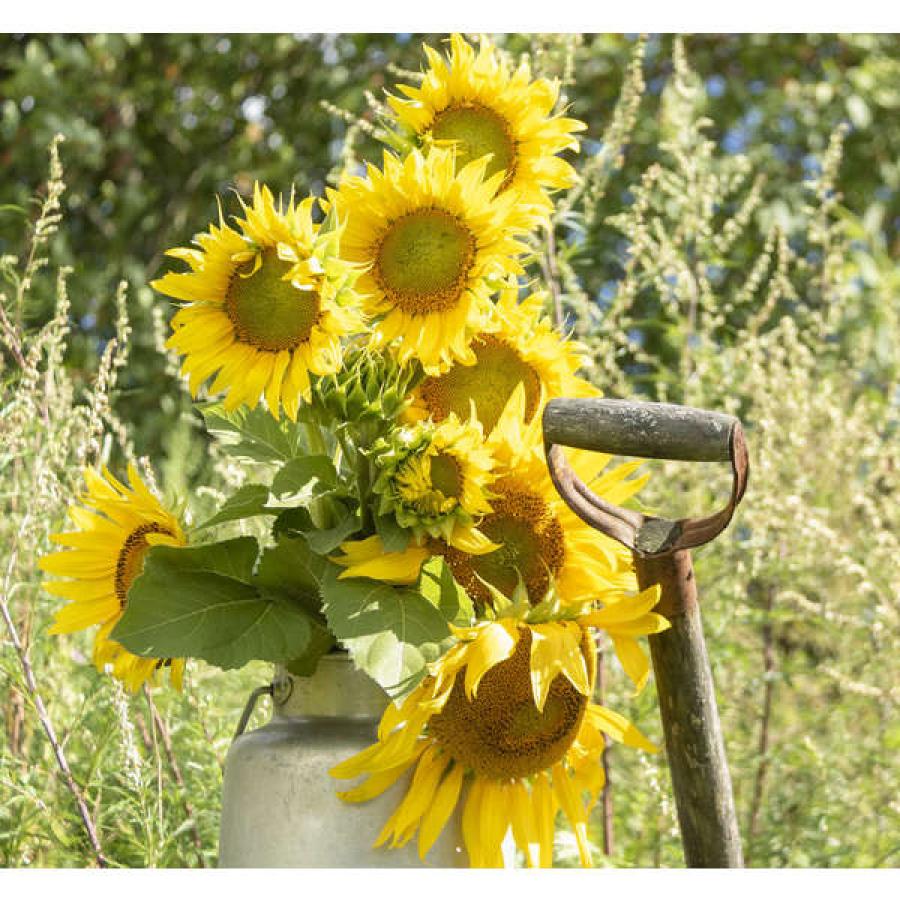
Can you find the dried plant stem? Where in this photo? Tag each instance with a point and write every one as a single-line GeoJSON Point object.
{"type": "Point", "coordinates": [41, 709]}
{"type": "Point", "coordinates": [762, 749]}
{"type": "Point", "coordinates": [11, 338]}
{"type": "Point", "coordinates": [550, 268]}
{"type": "Point", "coordinates": [160, 727]}
{"type": "Point", "coordinates": [16, 721]}
{"type": "Point", "coordinates": [607, 801]}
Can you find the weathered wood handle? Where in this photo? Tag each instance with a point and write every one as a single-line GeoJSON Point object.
{"type": "Point", "coordinates": [642, 429]}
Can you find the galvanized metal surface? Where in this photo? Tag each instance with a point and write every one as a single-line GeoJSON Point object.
{"type": "Point", "coordinates": [279, 807]}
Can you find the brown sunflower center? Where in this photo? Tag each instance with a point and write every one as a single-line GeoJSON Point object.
{"type": "Point", "coordinates": [130, 561]}
{"type": "Point", "coordinates": [423, 260]}
{"type": "Point", "coordinates": [532, 547]}
{"type": "Point", "coordinates": [477, 131]}
{"type": "Point", "coordinates": [268, 312]}
{"type": "Point", "coordinates": [501, 733]}
{"type": "Point", "coordinates": [497, 370]}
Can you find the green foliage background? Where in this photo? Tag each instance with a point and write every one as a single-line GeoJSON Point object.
{"type": "Point", "coordinates": [801, 598]}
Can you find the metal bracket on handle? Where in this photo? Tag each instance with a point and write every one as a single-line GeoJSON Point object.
{"type": "Point", "coordinates": [647, 536]}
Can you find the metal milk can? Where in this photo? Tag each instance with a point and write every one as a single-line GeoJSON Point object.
{"type": "Point", "coordinates": [279, 806]}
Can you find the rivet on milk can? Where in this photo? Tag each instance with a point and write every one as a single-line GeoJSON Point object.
{"type": "Point", "coordinates": [661, 547]}
{"type": "Point", "coordinates": [279, 805]}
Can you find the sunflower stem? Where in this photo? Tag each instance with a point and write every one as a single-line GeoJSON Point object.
{"type": "Point", "coordinates": [364, 482]}
{"type": "Point", "coordinates": [315, 439]}
{"type": "Point", "coordinates": [319, 508]}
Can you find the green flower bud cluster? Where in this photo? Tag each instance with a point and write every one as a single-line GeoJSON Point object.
{"type": "Point", "coordinates": [370, 389]}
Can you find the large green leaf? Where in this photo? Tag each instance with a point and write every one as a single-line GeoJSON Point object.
{"type": "Point", "coordinates": [291, 566]}
{"type": "Point", "coordinates": [253, 434]}
{"type": "Point", "coordinates": [201, 601]}
{"type": "Point", "coordinates": [393, 536]}
{"type": "Point", "coordinates": [391, 632]}
{"type": "Point", "coordinates": [440, 588]}
{"type": "Point", "coordinates": [321, 540]}
{"type": "Point", "coordinates": [305, 478]}
{"type": "Point", "coordinates": [248, 500]}
{"type": "Point", "coordinates": [320, 643]}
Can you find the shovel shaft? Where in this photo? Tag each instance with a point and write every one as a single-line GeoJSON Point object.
{"type": "Point", "coordinates": [690, 717]}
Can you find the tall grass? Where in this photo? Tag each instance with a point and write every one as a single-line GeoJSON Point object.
{"type": "Point", "coordinates": [88, 774]}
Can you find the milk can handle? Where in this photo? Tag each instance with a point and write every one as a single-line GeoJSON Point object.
{"type": "Point", "coordinates": [252, 700]}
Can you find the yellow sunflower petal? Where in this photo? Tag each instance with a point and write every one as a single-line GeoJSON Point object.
{"type": "Point", "coordinates": [619, 728]}
{"type": "Point", "coordinates": [397, 568]}
{"type": "Point", "coordinates": [634, 660]}
{"type": "Point", "coordinates": [440, 810]}
{"type": "Point", "coordinates": [572, 806]}
{"type": "Point", "coordinates": [496, 642]}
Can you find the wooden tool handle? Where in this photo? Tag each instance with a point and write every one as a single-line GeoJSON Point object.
{"type": "Point", "coordinates": [642, 429]}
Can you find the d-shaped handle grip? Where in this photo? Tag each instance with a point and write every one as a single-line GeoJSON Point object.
{"type": "Point", "coordinates": [649, 431]}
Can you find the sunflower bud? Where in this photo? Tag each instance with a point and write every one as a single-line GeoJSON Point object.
{"type": "Point", "coordinates": [370, 389]}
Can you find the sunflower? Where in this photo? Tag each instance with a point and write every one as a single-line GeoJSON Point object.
{"type": "Point", "coordinates": [542, 547]}
{"type": "Point", "coordinates": [117, 526]}
{"type": "Point", "coordinates": [540, 540]}
{"type": "Point", "coordinates": [505, 713]}
{"type": "Point", "coordinates": [266, 304]}
{"type": "Point", "coordinates": [517, 345]}
{"type": "Point", "coordinates": [473, 103]}
{"type": "Point", "coordinates": [434, 244]}
{"type": "Point", "coordinates": [432, 479]}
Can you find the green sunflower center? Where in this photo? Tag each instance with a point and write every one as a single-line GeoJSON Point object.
{"type": "Point", "coordinates": [130, 562]}
{"type": "Point", "coordinates": [501, 733]}
{"type": "Point", "coordinates": [498, 369]}
{"type": "Point", "coordinates": [532, 547]}
{"type": "Point", "coordinates": [445, 475]}
{"type": "Point", "coordinates": [430, 485]}
{"type": "Point", "coordinates": [423, 261]}
{"type": "Point", "coordinates": [477, 131]}
{"type": "Point", "coordinates": [268, 312]}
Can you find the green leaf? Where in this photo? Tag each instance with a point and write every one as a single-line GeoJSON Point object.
{"type": "Point", "coordinates": [234, 558]}
{"type": "Point", "coordinates": [320, 540]}
{"type": "Point", "coordinates": [293, 567]}
{"type": "Point", "coordinates": [440, 588]}
{"type": "Point", "coordinates": [393, 536]}
{"type": "Point", "coordinates": [199, 601]}
{"type": "Point", "coordinates": [391, 632]}
{"type": "Point", "coordinates": [253, 433]}
{"type": "Point", "coordinates": [305, 665]}
{"type": "Point", "coordinates": [305, 478]}
{"type": "Point", "coordinates": [326, 540]}
{"type": "Point", "coordinates": [249, 500]}
{"type": "Point", "coordinates": [293, 521]}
